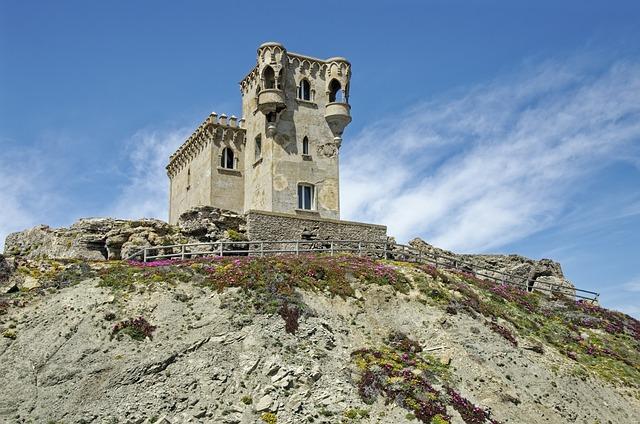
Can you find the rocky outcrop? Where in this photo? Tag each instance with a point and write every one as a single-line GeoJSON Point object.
{"type": "Point", "coordinates": [108, 238]}
{"type": "Point", "coordinates": [543, 274]}
{"type": "Point", "coordinates": [214, 357]}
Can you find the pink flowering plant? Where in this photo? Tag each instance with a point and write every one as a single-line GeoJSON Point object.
{"type": "Point", "coordinates": [269, 282]}
{"type": "Point", "coordinates": [402, 374]}
{"type": "Point", "coordinates": [136, 328]}
{"type": "Point", "coordinates": [608, 342]}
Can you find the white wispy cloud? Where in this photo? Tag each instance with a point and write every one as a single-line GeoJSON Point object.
{"type": "Point", "coordinates": [633, 285]}
{"type": "Point", "coordinates": [476, 171]}
{"type": "Point", "coordinates": [144, 194]}
{"type": "Point", "coordinates": [27, 192]}
{"type": "Point", "coordinates": [623, 297]}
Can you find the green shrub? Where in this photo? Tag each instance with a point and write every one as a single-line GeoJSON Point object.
{"type": "Point", "coordinates": [269, 418]}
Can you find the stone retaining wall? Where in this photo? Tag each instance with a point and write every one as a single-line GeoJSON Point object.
{"type": "Point", "coordinates": [278, 226]}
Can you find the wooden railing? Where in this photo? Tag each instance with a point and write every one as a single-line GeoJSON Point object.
{"type": "Point", "coordinates": [377, 249]}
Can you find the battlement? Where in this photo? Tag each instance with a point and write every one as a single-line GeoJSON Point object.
{"type": "Point", "coordinates": [213, 129]}
{"type": "Point", "coordinates": [338, 67]}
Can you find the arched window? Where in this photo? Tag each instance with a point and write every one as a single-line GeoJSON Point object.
{"type": "Point", "coordinates": [269, 77]}
{"type": "Point", "coordinates": [258, 151]}
{"type": "Point", "coordinates": [335, 91]}
{"type": "Point", "coordinates": [227, 159]}
{"type": "Point", "coordinates": [188, 178]}
{"type": "Point", "coordinates": [305, 196]}
{"type": "Point", "coordinates": [304, 90]}
{"type": "Point", "coordinates": [305, 146]}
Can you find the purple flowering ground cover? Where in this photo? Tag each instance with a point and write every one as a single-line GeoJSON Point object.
{"type": "Point", "coordinates": [604, 341]}
{"type": "Point", "coordinates": [593, 338]}
{"type": "Point", "coordinates": [415, 381]}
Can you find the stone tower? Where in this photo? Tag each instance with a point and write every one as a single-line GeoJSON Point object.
{"type": "Point", "coordinates": [296, 108]}
{"type": "Point", "coordinates": [283, 156]}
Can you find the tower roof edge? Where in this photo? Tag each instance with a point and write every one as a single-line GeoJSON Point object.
{"type": "Point", "coordinates": [271, 43]}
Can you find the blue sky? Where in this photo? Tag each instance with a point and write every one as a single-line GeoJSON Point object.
{"type": "Point", "coordinates": [480, 126]}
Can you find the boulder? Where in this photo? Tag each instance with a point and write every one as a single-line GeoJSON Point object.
{"type": "Point", "coordinates": [113, 239]}
{"type": "Point", "coordinates": [30, 283]}
{"type": "Point", "coordinates": [543, 274]}
{"type": "Point", "coordinates": [206, 223]}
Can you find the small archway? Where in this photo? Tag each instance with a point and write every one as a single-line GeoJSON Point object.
{"type": "Point", "coordinates": [227, 158]}
{"type": "Point", "coordinates": [269, 77]}
{"type": "Point", "coordinates": [305, 145]}
{"type": "Point", "coordinates": [335, 91]}
{"type": "Point", "coordinates": [304, 90]}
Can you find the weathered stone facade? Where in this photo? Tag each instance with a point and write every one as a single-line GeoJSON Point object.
{"type": "Point", "coordinates": [278, 226]}
{"type": "Point", "coordinates": [295, 109]}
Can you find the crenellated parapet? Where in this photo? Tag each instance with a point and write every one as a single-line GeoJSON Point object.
{"type": "Point", "coordinates": [216, 129]}
{"type": "Point", "coordinates": [277, 57]}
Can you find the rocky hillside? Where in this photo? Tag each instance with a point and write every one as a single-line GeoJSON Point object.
{"type": "Point", "coordinates": [288, 339]}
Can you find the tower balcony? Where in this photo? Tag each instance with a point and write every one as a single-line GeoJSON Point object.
{"type": "Point", "coordinates": [338, 116]}
{"type": "Point", "coordinates": [271, 100]}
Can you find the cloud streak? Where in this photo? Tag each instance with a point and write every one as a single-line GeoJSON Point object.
{"type": "Point", "coordinates": [477, 171]}
{"type": "Point", "coordinates": [145, 194]}
{"type": "Point", "coordinates": [27, 192]}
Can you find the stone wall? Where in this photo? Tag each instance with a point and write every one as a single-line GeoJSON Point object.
{"type": "Point", "coordinates": [196, 177]}
{"type": "Point", "coordinates": [278, 226]}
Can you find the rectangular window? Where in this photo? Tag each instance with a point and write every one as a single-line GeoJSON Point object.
{"type": "Point", "coordinates": [305, 196]}
{"type": "Point", "coordinates": [258, 147]}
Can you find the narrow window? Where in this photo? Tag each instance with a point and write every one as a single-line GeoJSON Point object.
{"type": "Point", "coordinates": [226, 159]}
{"type": "Point", "coordinates": [305, 196]}
{"type": "Point", "coordinates": [258, 147]}
{"type": "Point", "coordinates": [188, 178]}
{"type": "Point", "coordinates": [304, 90]}
{"type": "Point", "coordinates": [269, 77]}
{"type": "Point", "coordinates": [305, 146]}
{"type": "Point", "coordinates": [335, 91]}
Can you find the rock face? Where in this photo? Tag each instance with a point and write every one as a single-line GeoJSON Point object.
{"type": "Point", "coordinates": [6, 268]}
{"type": "Point", "coordinates": [107, 238]}
{"type": "Point", "coordinates": [213, 359]}
{"type": "Point", "coordinates": [543, 274]}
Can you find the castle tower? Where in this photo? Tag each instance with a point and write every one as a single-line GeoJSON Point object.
{"type": "Point", "coordinates": [283, 156]}
{"type": "Point", "coordinates": [295, 108]}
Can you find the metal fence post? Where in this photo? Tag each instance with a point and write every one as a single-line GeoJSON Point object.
{"type": "Point", "coordinates": [261, 249]}
{"type": "Point", "coordinates": [331, 247]}
{"type": "Point", "coordinates": [144, 255]}
{"type": "Point", "coordinates": [385, 250]}
{"type": "Point", "coordinates": [359, 248]}
{"type": "Point", "coordinates": [182, 251]}
{"type": "Point", "coordinates": [220, 251]}
{"type": "Point", "coordinates": [297, 248]}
